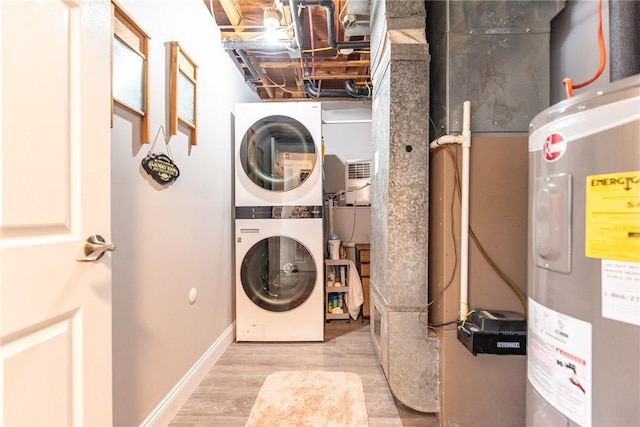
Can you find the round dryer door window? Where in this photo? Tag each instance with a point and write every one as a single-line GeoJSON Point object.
{"type": "Point", "coordinates": [278, 153]}
{"type": "Point", "coordinates": [278, 273]}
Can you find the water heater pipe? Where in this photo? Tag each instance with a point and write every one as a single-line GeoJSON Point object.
{"type": "Point", "coordinates": [465, 141]}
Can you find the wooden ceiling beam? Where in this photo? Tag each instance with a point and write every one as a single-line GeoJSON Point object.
{"type": "Point", "coordinates": [300, 83]}
{"type": "Point", "coordinates": [233, 12]}
{"type": "Point", "coordinates": [267, 85]}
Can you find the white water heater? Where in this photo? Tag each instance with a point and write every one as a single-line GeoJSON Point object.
{"type": "Point", "coordinates": [357, 180]}
{"type": "Point", "coordinates": [583, 351]}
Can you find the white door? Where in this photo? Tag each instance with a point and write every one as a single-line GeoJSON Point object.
{"type": "Point", "coordinates": [55, 327]}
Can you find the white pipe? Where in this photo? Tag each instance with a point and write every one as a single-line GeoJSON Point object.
{"type": "Point", "coordinates": [465, 141]}
{"type": "Point", "coordinates": [464, 211]}
{"type": "Point", "coordinates": [445, 139]}
{"type": "Point", "coordinates": [330, 216]}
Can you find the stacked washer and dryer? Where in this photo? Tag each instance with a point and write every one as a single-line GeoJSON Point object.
{"type": "Point", "coordinates": [278, 226]}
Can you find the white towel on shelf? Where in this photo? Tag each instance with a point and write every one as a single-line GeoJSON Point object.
{"type": "Point", "coordinates": [354, 295]}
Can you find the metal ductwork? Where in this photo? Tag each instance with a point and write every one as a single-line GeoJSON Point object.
{"type": "Point", "coordinates": [494, 53]}
{"type": "Point", "coordinates": [297, 28]}
{"type": "Point", "coordinates": [236, 49]}
{"type": "Point", "coordinates": [353, 23]}
{"type": "Point", "coordinates": [330, 8]}
{"type": "Point", "coordinates": [253, 73]}
{"type": "Point", "coordinates": [357, 20]}
{"type": "Point", "coordinates": [258, 44]}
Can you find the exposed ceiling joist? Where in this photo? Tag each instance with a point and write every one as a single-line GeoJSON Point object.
{"type": "Point", "coordinates": [233, 12]}
{"type": "Point", "coordinates": [312, 54]}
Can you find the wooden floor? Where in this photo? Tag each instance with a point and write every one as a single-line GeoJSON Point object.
{"type": "Point", "coordinates": [226, 395]}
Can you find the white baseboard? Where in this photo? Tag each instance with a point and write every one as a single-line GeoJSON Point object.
{"type": "Point", "coordinates": [176, 398]}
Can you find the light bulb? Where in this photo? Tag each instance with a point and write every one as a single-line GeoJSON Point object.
{"type": "Point", "coordinates": [271, 19]}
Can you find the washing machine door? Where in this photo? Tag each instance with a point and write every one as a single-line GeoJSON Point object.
{"type": "Point", "coordinates": [278, 273]}
{"type": "Point", "coordinates": [278, 153]}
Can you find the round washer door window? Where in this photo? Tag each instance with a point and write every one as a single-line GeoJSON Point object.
{"type": "Point", "coordinates": [278, 153]}
{"type": "Point", "coordinates": [278, 273]}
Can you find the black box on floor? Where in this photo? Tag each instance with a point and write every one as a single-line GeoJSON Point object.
{"type": "Point", "coordinates": [494, 332]}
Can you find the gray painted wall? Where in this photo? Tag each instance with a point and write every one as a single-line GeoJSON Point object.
{"type": "Point", "coordinates": [346, 132]}
{"type": "Point", "coordinates": [172, 239]}
{"type": "Point", "coordinates": [344, 138]}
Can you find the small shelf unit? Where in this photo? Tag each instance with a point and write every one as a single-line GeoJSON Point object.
{"type": "Point", "coordinates": [338, 269]}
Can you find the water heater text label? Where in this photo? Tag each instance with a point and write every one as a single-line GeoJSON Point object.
{"type": "Point", "coordinates": [625, 181]}
{"type": "Point", "coordinates": [612, 216]}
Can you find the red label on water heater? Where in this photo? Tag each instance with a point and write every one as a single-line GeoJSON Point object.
{"type": "Point", "coordinates": [554, 147]}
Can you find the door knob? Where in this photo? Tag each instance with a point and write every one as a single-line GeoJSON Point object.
{"type": "Point", "coordinates": [95, 247]}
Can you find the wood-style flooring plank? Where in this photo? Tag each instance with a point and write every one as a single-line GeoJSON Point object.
{"type": "Point", "coordinates": [226, 395]}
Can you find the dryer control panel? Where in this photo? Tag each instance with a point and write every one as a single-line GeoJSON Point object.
{"type": "Point", "coordinates": [278, 212]}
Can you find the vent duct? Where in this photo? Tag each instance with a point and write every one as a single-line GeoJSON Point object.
{"type": "Point", "coordinates": [331, 25]}
{"type": "Point", "coordinates": [356, 22]}
{"type": "Point", "coordinates": [494, 53]}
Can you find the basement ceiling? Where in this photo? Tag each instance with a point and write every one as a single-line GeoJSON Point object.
{"type": "Point", "coordinates": [318, 48]}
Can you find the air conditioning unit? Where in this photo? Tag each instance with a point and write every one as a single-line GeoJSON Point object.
{"type": "Point", "coordinates": [357, 182]}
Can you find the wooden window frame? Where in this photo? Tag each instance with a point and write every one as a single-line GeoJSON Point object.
{"type": "Point", "coordinates": [182, 63]}
{"type": "Point", "coordinates": [135, 38]}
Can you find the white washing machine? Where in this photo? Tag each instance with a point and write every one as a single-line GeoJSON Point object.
{"type": "Point", "coordinates": [278, 154]}
{"type": "Point", "coordinates": [279, 274]}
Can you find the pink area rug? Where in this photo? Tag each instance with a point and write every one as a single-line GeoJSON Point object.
{"type": "Point", "coordinates": [310, 399]}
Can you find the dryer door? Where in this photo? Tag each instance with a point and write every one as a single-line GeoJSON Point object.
{"type": "Point", "coordinates": [278, 153]}
{"type": "Point", "coordinates": [278, 273]}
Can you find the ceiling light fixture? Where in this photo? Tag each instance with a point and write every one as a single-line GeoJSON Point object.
{"type": "Point", "coordinates": [271, 18]}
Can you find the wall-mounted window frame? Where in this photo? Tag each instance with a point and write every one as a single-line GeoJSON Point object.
{"type": "Point", "coordinates": [130, 68]}
{"type": "Point", "coordinates": [183, 102]}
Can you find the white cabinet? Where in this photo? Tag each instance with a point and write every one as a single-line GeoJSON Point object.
{"type": "Point", "coordinates": [336, 273]}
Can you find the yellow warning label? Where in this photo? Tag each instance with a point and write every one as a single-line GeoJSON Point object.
{"type": "Point", "coordinates": [612, 217]}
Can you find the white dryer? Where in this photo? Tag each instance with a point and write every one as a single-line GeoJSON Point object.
{"type": "Point", "coordinates": [278, 154]}
{"type": "Point", "coordinates": [279, 275]}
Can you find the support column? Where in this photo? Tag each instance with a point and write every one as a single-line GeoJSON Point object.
{"type": "Point", "coordinates": [399, 208]}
